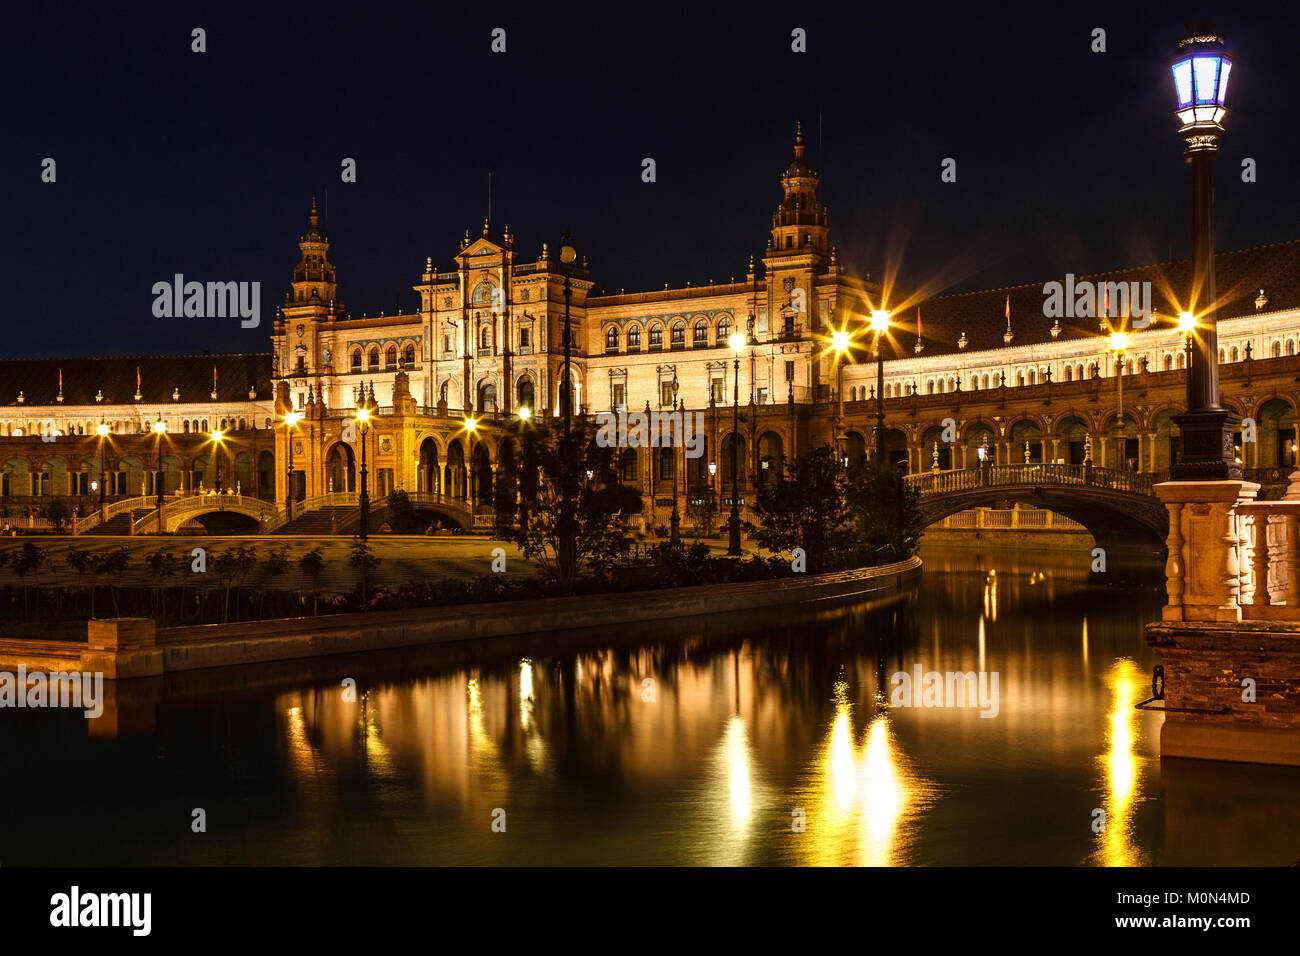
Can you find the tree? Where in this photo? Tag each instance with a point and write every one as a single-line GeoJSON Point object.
{"type": "Point", "coordinates": [59, 512]}
{"type": "Point", "coordinates": [112, 564]}
{"type": "Point", "coordinates": [363, 561]}
{"type": "Point", "coordinates": [275, 565]}
{"type": "Point", "coordinates": [312, 564]}
{"type": "Point", "coordinates": [561, 517]}
{"type": "Point", "coordinates": [702, 509]}
{"type": "Point", "coordinates": [28, 560]}
{"type": "Point", "coordinates": [232, 568]}
{"type": "Point", "coordinates": [160, 565]}
{"type": "Point", "coordinates": [402, 518]}
{"type": "Point", "coordinates": [885, 514]}
{"type": "Point", "coordinates": [806, 509]}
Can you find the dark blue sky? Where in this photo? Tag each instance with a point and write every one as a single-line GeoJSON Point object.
{"type": "Point", "coordinates": [170, 161]}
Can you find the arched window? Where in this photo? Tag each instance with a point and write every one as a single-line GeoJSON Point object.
{"type": "Point", "coordinates": [929, 386]}
{"type": "Point", "coordinates": [1169, 362]}
{"type": "Point", "coordinates": [1232, 356]}
{"type": "Point", "coordinates": [374, 356]}
{"type": "Point", "coordinates": [679, 335]}
{"type": "Point", "coordinates": [485, 337]}
{"type": "Point", "coordinates": [1020, 378]}
{"type": "Point", "coordinates": [634, 338]}
{"type": "Point", "coordinates": [1223, 356]}
{"type": "Point", "coordinates": [1078, 372]}
{"type": "Point", "coordinates": [408, 356]}
{"type": "Point", "coordinates": [1276, 352]}
{"type": "Point", "coordinates": [1069, 373]}
{"type": "Point", "coordinates": [1290, 346]}
{"type": "Point", "coordinates": [611, 339]}
{"type": "Point", "coordinates": [1182, 358]}
{"type": "Point", "coordinates": [1129, 367]}
{"type": "Point", "coordinates": [1033, 377]}
{"type": "Point", "coordinates": [242, 424]}
{"type": "Point", "coordinates": [724, 330]}
{"type": "Point", "coordinates": [356, 360]}
{"type": "Point", "coordinates": [525, 392]}
{"type": "Point", "coordinates": [185, 425]}
{"type": "Point", "coordinates": [701, 334]}
{"type": "Point", "coordinates": [986, 381]}
{"type": "Point", "coordinates": [390, 357]}
{"type": "Point", "coordinates": [657, 337]}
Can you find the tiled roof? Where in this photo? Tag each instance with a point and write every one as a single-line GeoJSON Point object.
{"type": "Point", "coordinates": [38, 379]}
{"type": "Point", "coordinates": [1239, 276]}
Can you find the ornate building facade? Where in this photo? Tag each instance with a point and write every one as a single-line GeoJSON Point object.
{"type": "Point", "coordinates": [484, 342]}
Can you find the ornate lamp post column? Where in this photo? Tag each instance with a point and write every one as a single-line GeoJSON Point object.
{"type": "Point", "coordinates": [290, 420]}
{"type": "Point", "coordinates": [737, 343]}
{"type": "Point", "coordinates": [675, 521]}
{"type": "Point", "coordinates": [159, 428]}
{"type": "Point", "coordinates": [102, 430]}
{"type": "Point", "coordinates": [363, 420]}
{"type": "Point", "coordinates": [840, 344]}
{"type": "Point", "coordinates": [217, 437]}
{"type": "Point", "coordinates": [1119, 345]}
{"type": "Point", "coordinates": [1200, 74]}
{"type": "Point", "coordinates": [566, 530]}
{"type": "Point", "coordinates": [880, 325]}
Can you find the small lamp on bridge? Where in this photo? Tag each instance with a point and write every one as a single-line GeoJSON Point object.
{"type": "Point", "coordinates": [525, 413]}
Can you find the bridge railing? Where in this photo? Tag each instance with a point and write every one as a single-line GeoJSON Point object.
{"type": "Point", "coordinates": [966, 479]}
{"type": "Point", "coordinates": [1268, 557]}
{"type": "Point", "coordinates": [86, 522]}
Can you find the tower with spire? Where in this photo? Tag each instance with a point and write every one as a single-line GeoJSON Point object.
{"type": "Point", "coordinates": [305, 331]}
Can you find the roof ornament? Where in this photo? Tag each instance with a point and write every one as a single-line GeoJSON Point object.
{"type": "Point", "coordinates": [1056, 329]}
{"type": "Point", "coordinates": [21, 397]}
{"type": "Point", "coordinates": [99, 395]}
{"type": "Point", "coordinates": [176, 394]}
{"type": "Point", "coordinates": [963, 341]}
{"type": "Point", "coordinates": [1261, 300]}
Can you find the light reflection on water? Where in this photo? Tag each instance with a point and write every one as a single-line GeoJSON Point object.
{"type": "Point", "coordinates": [759, 740]}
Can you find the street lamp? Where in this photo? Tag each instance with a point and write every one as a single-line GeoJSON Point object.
{"type": "Point", "coordinates": [290, 420]}
{"type": "Point", "coordinates": [566, 527]}
{"type": "Point", "coordinates": [525, 413]}
{"type": "Point", "coordinates": [471, 427]}
{"type": "Point", "coordinates": [363, 419]}
{"type": "Point", "coordinates": [880, 325]}
{"type": "Point", "coordinates": [1187, 325]}
{"type": "Point", "coordinates": [102, 430]}
{"type": "Point", "coordinates": [1119, 345]}
{"type": "Point", "coordinates": [1200, 71]}
{"type": "Point", "coordinates": [568, 255]}
{"type": "Point", "coordinates": [217, 437]}
{"type": "Point", "coordinates": [159, 427]}
{"type": "Point", "coordinates": [840, 345]}
{"type": "Point", "coordinates": [675, 520]}
{"type": "Point", "coordinates": [737, 343]}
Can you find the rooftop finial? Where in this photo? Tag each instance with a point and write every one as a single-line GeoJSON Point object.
{"type": "Point", "coordinates": [798, 135]}
{"type": "Point", "coordinates": [314, 218]}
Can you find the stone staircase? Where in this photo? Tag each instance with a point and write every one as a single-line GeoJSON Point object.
{"type": "Point", "coordinates": [120, 524]}
{"type": "Point", "coordinates": [320, 521]}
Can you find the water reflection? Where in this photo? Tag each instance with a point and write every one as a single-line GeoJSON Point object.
{"type": "Point", "coordinates": [748, 739]}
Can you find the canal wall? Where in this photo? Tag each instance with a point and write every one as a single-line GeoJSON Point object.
{"type": "Point", "coordinates": [1211, 712]}
{"type": "Point", "coordinates": [126, 648]}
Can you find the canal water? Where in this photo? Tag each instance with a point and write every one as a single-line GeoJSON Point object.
{"type": "Point", "coordinates": [763, 740]}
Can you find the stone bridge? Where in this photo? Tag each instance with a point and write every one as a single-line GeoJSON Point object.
{"type": "Point", "coordinates": [1118, 508]}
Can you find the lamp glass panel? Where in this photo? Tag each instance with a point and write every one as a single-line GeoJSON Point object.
{"type": "Point", "coordinates": [1183, 82]}
{"type": "Point", "coordinates": [1206, 71]}
{"type": "Point", "coordinates": [1187, 116]}
{"type": "Point", "coordinates": [1223, 80]}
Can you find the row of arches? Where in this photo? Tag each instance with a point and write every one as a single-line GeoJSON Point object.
{"type": "Point", "coordinates": [132, 476]}
{"type": "Point", "coordinates": [391, 358]}
{"type": "Point", "coordinates": [703, 334]}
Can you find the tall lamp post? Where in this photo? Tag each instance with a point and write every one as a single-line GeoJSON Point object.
{"type": "Point", "coordinates": [159, 427]}
{"type": "Point", "coordinates": [1119, 345]}
{"type": "Point", "coordinates": [675, 520]}
{"type": "Point", "coordinates": [737, 343]}
{"type": "Point", "coordinates": [290, 420]}
{"type": "Point", "coordinates": [102, 430]}
{"type": "Point", "coordinates": [880, 325]}
{"type": "Point", "coordinates": [217, 437]}
{"type": "Point", "coordinates": [566, 532]}
{"type": "Point", "coordinates": [1200, 71]}
{"type": "Point", "coordinates": [840, 343]}
{"type": "Point", "coordinates": [363, 500]}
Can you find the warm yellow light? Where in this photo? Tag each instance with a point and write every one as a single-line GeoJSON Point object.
{"type": "Point", "coordinates": [1118, 341]}
{"type": "Point", "coordinates": [363, 414]}
{"type": "Point", "coordinates": [216, 435]}
{"type": "Point", "coordinates": [102, 429]}
{"type": "Point", "coordinates": [737, 341]}
{"type": "Point", "coordinates": [160, 426]}
{"type": "Point", "coordinates": [840, 341]}
{"type": "Point", "coordinates": [879, 320]}
{"type": "Point", "coordinates": [1186, 322]}
{"type": "Point", "coordinates": [470, 424]}
{"type": "Point", "coordinates": [292, 418]}
{"type": "Point", "coordinates": [525, 413]}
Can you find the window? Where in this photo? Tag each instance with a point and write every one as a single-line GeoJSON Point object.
{"type": "Point", "coordinates": [762, 396]}
{"type": "Point", "coordinates": [446, 342]}
{"type": "Point", "coordinates": [1169, 363]}
{"type": "Point", "coordinates": [665, 393]}
{"type": "Point", "coordinates": [657, 337]}
{"type": "Point", "coordinates": [667, 464]}
{"type": "Point", "coordinates": [374, 357]}
{"type": "Point", "coordinates": [716, 393]}
{"type": "Point", "coordinates": [701, 334]}
{"type": "Point", "coordinates": [611, 339]}
{"type": "Point", "coordinates": [485, 337]}
{"type": "Point", "coordinates": [789, 371]}
{"type": "Point", "coordinates": [1232, 357]}
{"type": "Point", "coordinates": [301, 367]}
{"type": "Point", "coordinates": [390, 357]}
{"type": "Point", "coordinates": [629, 464]}
{"type": "Point", "coordinates": [724, 331]}
{"type": "Point", "coordinates": [525, 338]}
{"type": "Point", "coordinates": [408, 356]}
{"type": "Point", "coordinates": [634, 339]}
{"type": "Point", "coordinates": [762, 319]}
{"type": "Point", "coordinates": [679, 336]}
{"type": "Point", "coordinates": [356, 360]}
{"type": "Point", "coordinates": [1276, 351]}
{"type": "Point", "coordinates": [618, 396]}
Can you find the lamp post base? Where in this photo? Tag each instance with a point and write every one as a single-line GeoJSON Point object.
{"type": "Point", "coordinates": [1206, 450]}
{"type": "Point", "coordinates": [733, 534]}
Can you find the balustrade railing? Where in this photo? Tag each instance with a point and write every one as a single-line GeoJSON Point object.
{"type": "Point", "coordinates": [1268, 557]}
{"type": "Point", "coordinates": [966, 479]}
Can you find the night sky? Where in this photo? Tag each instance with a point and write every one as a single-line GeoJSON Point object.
{"type": "Point", "coordinates": [170, 161]}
